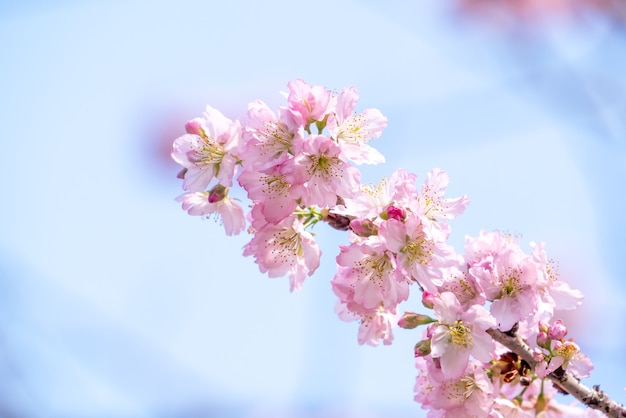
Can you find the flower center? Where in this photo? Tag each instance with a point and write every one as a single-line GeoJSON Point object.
{"type": "Point", "coordinates": [417, 250]}
{"type": "Point", "coordinates": [510, 286]}
{"type": "Point", "coordinates": [460, 334]}
{"type": "Point", "coordinates": [208, 152]}
{"type": "Point", "coordinates": [274, 139]}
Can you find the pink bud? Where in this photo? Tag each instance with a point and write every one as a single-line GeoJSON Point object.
{"type": "Point", "coordinates": [542, 339]}
{"type": "Point", "coordinates": [396, 213]}
{"type": "Point", "coordinates": [412, 320]}
{"type": "Point", "coordinates": [393, 212]}
{"type": "Point", "coordinates": [194, 126]}
{"type": "Point", "coordinates": [363, 227]}
{"type": "Point", "coordinates": [557, 330]}
{"type": "Point", "coordinates": [422, 348]}
{"type": "Point", "coordinates": [428, 300]}
{"type": "Point", "coordinates": [217, 193]}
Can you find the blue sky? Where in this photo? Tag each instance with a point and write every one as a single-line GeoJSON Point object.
{"type": "Point", "coordinates": [114, 302]}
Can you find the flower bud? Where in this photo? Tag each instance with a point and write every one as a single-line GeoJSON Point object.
{"type": "Point", "coordinates": [428, 300]}
{"type": "Point", "coordinates": [542, 340]}
{"type": "Point", "coordinates": [412, 320]}
{"type": "Point", "coordinates": [393, 212]}
{"type": "Point", "coordinates": [557, 331]}
{"type": "Point", "coordinates": [217, 193]}
{"type": "Point", "coordinates": [363, 227]}
{"type": "Point", "coordinates": [194, 127]}
{"type": "Point", "coordinates": [422, 348]}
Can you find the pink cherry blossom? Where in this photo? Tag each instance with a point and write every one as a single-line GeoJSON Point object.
{"type": "Point", "coordinates": [464, 286]}
{"type": "Point", "coordinates": [374, 326]}
{"type": "Point", "coordinates": [280, 196]}
{"type": "Point", "coordinates": [434, 208]}
{"type": "Point", "coordinates": [367, 278]}
{"type": "Point", "coordinates": [353, 132]}
{"type": "Point", "coordinates": [307, 103]}
{"type": "Point", "coordinates": [420, 257]}
{"type": "Point", "coordinates": [398, 190]}
{"type": "Point", "coordinates": [209, 151]}
{"type": "Point", "coordinates": [325, 174]}
{"type": "Point", "coordinates": [552, 292]}
{"type": "Point", "coordinates": [230, 213]}
{"type": "Point", "coordinates": [468, 395]}
{"type": "Point", "coordinates": [507, 276]}
{"type": "Point", "coordinates": [285, 248]}
{"type": "Point", "coordinates": [269, 139]}
{"type": "Point", "coordinates": [377, 326]}
{"type": "Point", "coordinates": [459, 334]}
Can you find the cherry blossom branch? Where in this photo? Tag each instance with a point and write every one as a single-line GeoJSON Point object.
{"type": "Point", "coordinates": [398, 237]}
{"type": "Point", "coordinates": [592, 397]}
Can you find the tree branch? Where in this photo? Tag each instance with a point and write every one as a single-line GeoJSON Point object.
{"type": "Point", "coordinates": [593, 398]}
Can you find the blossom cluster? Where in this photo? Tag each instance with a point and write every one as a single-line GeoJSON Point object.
{"type": "Point", "coordinates": [298, 167]}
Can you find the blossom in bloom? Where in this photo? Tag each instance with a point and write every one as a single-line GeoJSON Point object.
{"type": "Point", "coordinates": [307, 103]}
{"type": "Point", "coordinates": [208, 150]}
{"type": "Point", "coordinates": [205, 204]}
{"type": "Point", "coordinates": [284, 248]}
{"type": "Point", "coordinates": [353, 132]}
{"type": "Point", "coordinates": [420, 257]}
{"type": "Point", "coordinates": [574, 361]}
{"type": "Point", "coordinates": [434, 208]}
{"type": "Point", "coordinates": [269, 140]}
{"type": "Point", "coordinates": [374, 327]}
{"type": "Point", "coordinates": [468, 395]}
{"type": "Point", "coordinates": [552, 292]}
{"type": "Point", "coordinates": [464, 286]}
{"type": "Point", "coordinates": [326, 175]}
{"type": "Point", "coordinates": [459, 334]}
{"type": "Point", "coordinates": [280, 196]}
{"type": "Point", "coordinates": [507, 276]}
{"type": "Point", "coordinates": [398, 190]}
{"type": "Point", "coordinates": [367, 277]}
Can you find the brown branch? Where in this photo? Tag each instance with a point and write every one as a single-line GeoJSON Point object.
{"type": "Point", "coordinates": [593, 398]}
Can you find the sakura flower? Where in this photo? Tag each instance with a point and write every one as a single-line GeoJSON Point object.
{"type": "Point", "coordinates": [208, 150]}
{"type": "Point", "coordinates": [353, 132]}
{"type": "Point", "coordinates": [206, 204]}
{"type": "Point", "coordinates": [419, 256]}
{"type": "Point", "coordinates": [507, 276]}
{"type": "Point", "coordinates": [374, 326]}
{"type": "Point", "coordinates": [468, 395]}
{"type": "Point", "coordinates": [553, 293]}
{"type": "Point", "coordinates": [574, 361]}
{"type": "Point", "coordinates": [367, 277]}
{"type": "Point", "coordinates": [434, 209]}
{"type": "Point", "coordinates": [269, 139]}
{"type": "Point", "coordinates": [460, 333]}
{"type": "Point", "coordinates": [398, 190]}
{"type": "Point", "coordinates": [280, 196]}
{"type": "Point", "coordinates": [285, 248]}
{"type": "Point", "coordinates": [517, 297]}
{"type": "Point", "coordinates": [326, 174]}
{"type": "Point", "coordinates": [307, 103]}
{"type": "Point", "coordinates": [464, 286]}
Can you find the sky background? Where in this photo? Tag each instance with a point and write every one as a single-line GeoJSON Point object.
{"type": "Point", "coordinates": [115, 303]}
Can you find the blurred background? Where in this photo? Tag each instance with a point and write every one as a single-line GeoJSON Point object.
{"type": "Point", "coordinates": [116, 303]}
